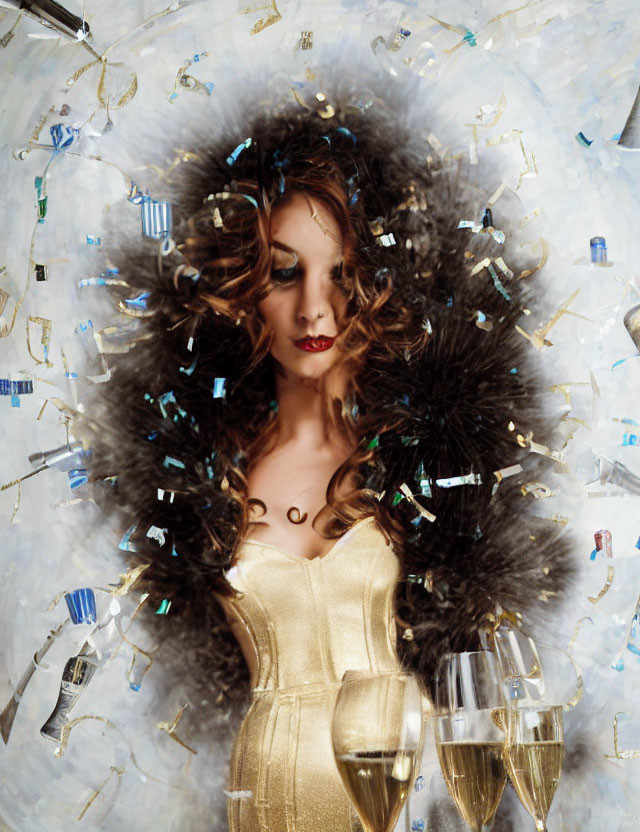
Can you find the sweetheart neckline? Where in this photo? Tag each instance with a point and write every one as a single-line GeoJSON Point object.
{"type": "Point", "coordinates": [300, 558]}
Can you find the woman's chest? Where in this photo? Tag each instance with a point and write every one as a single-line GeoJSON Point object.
{"type": "Point", "coordinates": [287, 493]}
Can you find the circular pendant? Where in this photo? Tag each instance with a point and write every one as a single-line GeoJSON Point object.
{"type": "Point", "coordinates": [294, 516]}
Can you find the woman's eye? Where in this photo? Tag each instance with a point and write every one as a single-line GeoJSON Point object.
{"type": "Point", "coordinates": [284, 275]}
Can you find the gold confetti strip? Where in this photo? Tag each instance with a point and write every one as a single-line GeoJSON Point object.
{"type": "Point", "coordinates": [495, 196]}
{"type": "Point", "coordinates": [503, 138]}
{"type": "Point", "coordinates": [531, 169]}
{"type": "Point", "coordinates": [539, 490]}
{"type": "Point", "coordinates": [565, 389]}
{"type": "Point", "coordinates": [16, 505]}
{"type": "Point", "coordinates": [539, 337]}
{"type": "Point", "coordinates": [579, 688]}
{"type": "Point", "coordinates": [119, 771]}
{"type": "Point", "coordinates": [299, 98]}
{"type": "Point", "coordinates": [404, 488]}
{"type": "Point", "coordinates": [628, 754]}
{"type": "Point", "coordinates": [129, 579]}
{"type": "Point", "coordinates": [507, 472]}
{"type": "Point", "coordinates": [170, 728]}
{"type": "Point", "coordinates": [605, 588]}
{"type": "Point", "coordinates": [577, 629]}
{"type": "Point", "coordinates": [544, 247]}
{"type": "Point", "coordinates": [500, 107]}
{"type": "Point", "coordinates": [560, 519]}
{"type": "Point", "coordinates": [6, 330]}
{"type": "Point", "coordinates": [64, 741]}
{"type": "Point", "coordinates": [56, 600]}
{"type": "Point", "coordinates": [528, 218]}
{"type": "Point", "coordinates": [74, 502]}
{"type": "Point", "coordinates": [62, 406]}
{"type": "Point", "coordinates": [272, 17]}
{"type": "Point", "coordinates": [546, 594]}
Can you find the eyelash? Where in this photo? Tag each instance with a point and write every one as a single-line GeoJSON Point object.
{"type": "Point", "coordinates": [284, 276]}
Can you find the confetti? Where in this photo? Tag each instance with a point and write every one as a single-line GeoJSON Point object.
{"type": "Point", "coordinates": [605, 588]}
{"type": "Point", "coordinates": [630, 754]}
{"type": "Point", "coordinates": [406, 491]}
{"type": "Point", "coordinates": [82, 605]}
{"type": "Point", "coordinates": [272, 17]}
{"type": "Point", "coordinates": [45, 338]}
{"type": "Point", "coordinates": [9, 712]}
{"type": "Point", "coordinates": [539, 337]}
{"type": "Point", "coordinates": [170, 729]}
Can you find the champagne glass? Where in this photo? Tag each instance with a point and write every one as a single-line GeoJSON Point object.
{"type": "Point", "coordinates": [470, 734]}
{"type": "Point", "coordinates": [377, 741]}
{"type": "Point", "coordinates": [535, 738]}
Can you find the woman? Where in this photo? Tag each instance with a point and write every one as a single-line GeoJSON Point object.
{"type": "Point", "coordinates": [311, 432]}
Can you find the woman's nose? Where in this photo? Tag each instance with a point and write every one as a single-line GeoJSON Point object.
{"type": "Point", "coordinates": [314, 300]}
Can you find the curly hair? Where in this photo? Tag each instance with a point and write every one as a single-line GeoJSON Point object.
{"type": "Point", "coordinates": [230, 249]}
{"type": "Point", "coordinates": [436, 373]}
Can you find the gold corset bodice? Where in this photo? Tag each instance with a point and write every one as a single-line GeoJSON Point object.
{"type": "Point", "coordinates": [308, 621]}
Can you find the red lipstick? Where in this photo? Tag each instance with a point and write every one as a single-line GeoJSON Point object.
{"type": "Point", "coordinates": [318, 343]}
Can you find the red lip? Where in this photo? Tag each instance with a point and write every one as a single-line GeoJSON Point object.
{"type": "Point", "coordinates": [317, 344]}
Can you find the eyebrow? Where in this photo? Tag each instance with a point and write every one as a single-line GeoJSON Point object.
{"type": "Point", "coordinates": [284, 247]}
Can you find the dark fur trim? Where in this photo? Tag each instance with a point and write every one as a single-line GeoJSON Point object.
{"type": "Point", "coordinates": [452, 402]}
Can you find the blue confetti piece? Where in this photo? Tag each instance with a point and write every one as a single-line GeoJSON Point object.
{"type": "Point", "coordinates": [15, 401]}
{"type": "Point", "coordinates": [497, 283]}
{"type": "Point", "coordinates": [63, 136]}
{"type": "Point", "coordinates": [619, 665]}
{"type": "Point", "coordinates": [134, 686]}
{"type": "Point", "coordinates": [139, 302]}
{"type": "Point", "coordinates": [514, 371]}
{"type": "Point", "coordinates": [470, 38]}
{"type": "Point", "coordinates": [627, 421]}
{"type": "Point", "coordinates": [481, 316]}
{"type": "Point", "coordinates": [173, 551]}
{"type": "Point", "coordinates": [638, 543]}
{"type": "Point", "coordinates": [417, 826]}
{"type": "Point", "coordinates": [418, 786]}
{"type": "Point", "coordinates": [170, 461]}
{"type": "Point", "coordinates": [219, 391]}
{"type": "Point", "coordinates": [346, 132]}
{"type": "Point", "coordinates": [157, 218]}
{"type": "Point", "coordinates": [82, 605]}
{"type": "Point", "coordinates": [78, 477]}
{"type": "Point", "coordinates": [593, 554]}
{"type": "Point", "coordinates": [583, 140]}
{"type": "Point", "coordinates": [233, 158]}
{"type": "Point", "coordinates": [93, 241]}
{"type": "Point", "coordinates": [629, 439]}
{"type": "Point", "coordinates": [164, 607]}
{"type": "Point", "coordinates": [125, 544]}
{"type": "Point", "coordinates": [152, 435]}
{"type": "Point", "coordinates": [189, 370]}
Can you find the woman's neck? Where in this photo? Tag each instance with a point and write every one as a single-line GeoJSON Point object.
{"type": "Point", "coordinates": [303, 415]}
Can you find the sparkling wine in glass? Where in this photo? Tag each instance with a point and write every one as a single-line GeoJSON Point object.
{"type": "Point", "coordinates": [377, 741]}
{"type": "Point", "coordinates": [534, 757]}
{"type": "Point", "coordinates": [535, 737]}
{"type": "Point", "coordinates": [470, 734]}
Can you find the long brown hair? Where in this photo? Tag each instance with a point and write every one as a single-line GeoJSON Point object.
{"type": "Point", "coordinates": [230, 247]}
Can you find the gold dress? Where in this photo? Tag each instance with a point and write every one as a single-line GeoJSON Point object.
{"type": "Point", "coordinates": [308, 622]}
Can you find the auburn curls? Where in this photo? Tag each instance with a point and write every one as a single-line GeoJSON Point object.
{"type": "Point", "coordinates": [229, 244]}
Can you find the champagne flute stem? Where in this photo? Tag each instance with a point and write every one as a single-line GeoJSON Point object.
{"type": "Point", "coordinates": [541, 826]}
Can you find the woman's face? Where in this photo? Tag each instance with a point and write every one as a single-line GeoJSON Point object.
{"type": "Point", "coordinates": [305, 308]}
